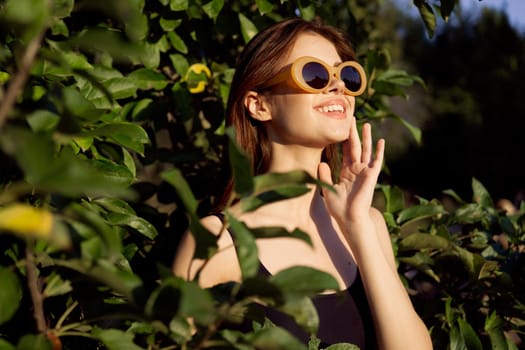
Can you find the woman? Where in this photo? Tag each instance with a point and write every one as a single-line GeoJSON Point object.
{"type": "Point", "coordinates": [292, 100]}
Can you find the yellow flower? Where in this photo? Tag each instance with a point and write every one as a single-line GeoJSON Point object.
{"type": "Point", "coordinates": [197, 77]}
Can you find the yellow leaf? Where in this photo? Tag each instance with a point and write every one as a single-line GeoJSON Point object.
{"type": "Point", "coordinates": [26, 220]}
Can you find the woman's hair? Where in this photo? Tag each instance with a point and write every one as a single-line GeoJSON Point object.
{"type": "Point", "coordinates": [257, 63]}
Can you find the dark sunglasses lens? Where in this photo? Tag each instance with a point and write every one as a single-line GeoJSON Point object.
{"type": "Point", "coordinates": [315, 75]}
{"type": "Point", "coordinates": [351, 78]}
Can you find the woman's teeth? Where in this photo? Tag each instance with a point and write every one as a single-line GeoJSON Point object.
{"type": "Point", "coordinates": [331, 108]}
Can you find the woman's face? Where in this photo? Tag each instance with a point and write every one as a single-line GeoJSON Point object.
{"type": "Point", "coordinates": [310, 119]}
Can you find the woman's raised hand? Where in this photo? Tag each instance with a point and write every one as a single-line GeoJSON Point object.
{"type": "Point", "coordinates": [358, 177]}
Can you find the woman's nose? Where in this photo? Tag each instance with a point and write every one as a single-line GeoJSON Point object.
{"type": "Point", "coordinates": [336, 85]}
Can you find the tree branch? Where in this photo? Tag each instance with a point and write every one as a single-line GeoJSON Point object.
{"type": "Point", "coordinates": [35, 290]}
{"type": "Point", "coordinates": [18, 82]}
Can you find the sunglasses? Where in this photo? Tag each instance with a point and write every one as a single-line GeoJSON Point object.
{"type": "Point", "coordinates": [313, 75]}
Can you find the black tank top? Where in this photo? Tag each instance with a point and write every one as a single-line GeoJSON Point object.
{"type": "Point", "coordinates": [343, 317]}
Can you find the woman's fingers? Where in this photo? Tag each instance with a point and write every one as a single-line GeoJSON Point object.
{"type": "Point", "coordinates": [380, 152]}
{"type": "Point", "coordinates": [366, 154]}
{"type": "Point", "coordinates": [354, 144]}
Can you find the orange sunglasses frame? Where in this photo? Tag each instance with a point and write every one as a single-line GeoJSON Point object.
{"type": "Point", "coordinates": [293, 73]}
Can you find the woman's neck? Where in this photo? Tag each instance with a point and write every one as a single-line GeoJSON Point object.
{"type": "Point", "coordinates": [287, 158]}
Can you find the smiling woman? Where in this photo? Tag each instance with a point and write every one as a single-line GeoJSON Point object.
{"type": "Point", "coordinates": [286, 122]}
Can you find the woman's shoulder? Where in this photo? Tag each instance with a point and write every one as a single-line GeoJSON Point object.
{"type": "Point", "coordinates": [223, 266]}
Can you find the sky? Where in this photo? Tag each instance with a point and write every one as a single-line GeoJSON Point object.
{"type": "Point", "coordinates": [515, 9]}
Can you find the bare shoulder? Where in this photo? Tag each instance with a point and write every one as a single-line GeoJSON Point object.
{"type": "Point", "coordinates": [221, 267]}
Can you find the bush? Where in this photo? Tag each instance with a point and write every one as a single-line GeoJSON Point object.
{"type": "Point", "coordinates": [111, 131]}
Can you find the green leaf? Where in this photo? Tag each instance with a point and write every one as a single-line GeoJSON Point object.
{"type": "Point", "coordinates": [270, 181]}
{"type": "Point", "coordinates": [128, 135]}
{"type": "Point", "coordinates": [396, 77]}
{"type": "Point", "coordinates": [116, 339]}
{"type": "Point", "coordinates": [494, 327]}
{"type": "Point", "coordinates": [42, 120]}
{"type": "Point", "coordinates": [418, 212]}
{"type": "Point", "coordinates": [123, 282]}
{"type": "Point", "coordinates": [481, 195]}
{"type": "Point", "coordinates": [174, 177]}
{"type": "Point", "coordinates": [394, 198]}
{"type": "Point", "coordinates": [454, 195]}
{"type": "Point", "coordinates": [146, 79]}
{"type": "Point", "coordinates": [303, 281]}
{"type": "Point", "coordinates": [5, 345]}
{"type": "Point", "coordinates": [307, 12]}
{"type": "Point", "coordinates": [150, 55]}
{"type": "Point", "coordinates": [79, 106]}
{"type": "Point", "coordinates": [33, 15]}
{"type": "Point", "coordinates": [180, 63]}
{"type": "Point", "coordinates": [264, 6]}
{"type": "Point", "coordinates": [414, 130]}
{"type": "Point", "coordinates": [418, 241]}
{"type": "Point", "coordinates": [121, 87]}
{"type": "Point", "coordinates": [177, 42]}
{"type": "Point", "coordinates": [62, 8]}
{"type": "Point", "coordinates": [472, 262]}
{"type": "Point", "coordinates": [213, 8]}
{"type": "Point", "coordinates": [108, 41]}
{"type": "Point", "coordinates": [178, 5]}
{"type": "Point", "coordinates": [89, 216]}
{"type": "Point", "coordinates": [59, 28]}
{"type": "Point", "coordinates": [142, 109]}
{"type": "Point", "coordinates": [169, 25]}
{"type": "Point", "coordinates": [470, 213]}
{"type": "Point", "coordinates": [248, 29]}
{"type": "Point", "coordinates": [457, 342]}
{"type": "Point", "coordinates": [472, 341]}
{"type": "Point", "coordinates": [64, 172]}
{"type": "Point", "coordinates": [34, 342]}
{"type": "Point", "coordinates": [10, 294]}
{"type": "Point", "coordinates": [55, 285]}
{"type": "Point", "coordinates": [206, 242]}
{"type": "Point", "coordinates": [164, 302]}
{"type": "Point", "coordinates": [427, 15]}
{"type": "Point", "coordinates": [290, 191]}
{"type": "Point", "coordinates": [260, 288]}
{"type": "Point", "coordinates": [422, 262]}
{"type": "Point", "coordinates": [241, 166]}
{"type": "Point", "coordinates": [112, 173]}
{"type": "Point", "coordinates": [274, 338]}
{"type": "Point", "coordinates": [197, 303]}
{"type": "Point", "coordinates": [387, 88]}
{"type": "Point", "coordinates": [303, 312]}
{"type": "Point", "coordinates": [181, 329]}
{"type": "Point", "coordinates": [115, 205]}
{"type": "Point", "coordinates": [245, 247]}
{"type": "Point", "coordinates": [273, 232]}
{"type": "Point", "coordinates": [137, 223]}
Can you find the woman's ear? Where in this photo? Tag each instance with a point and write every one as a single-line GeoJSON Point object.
{"type": "Point", "coordinates": [257, 106]}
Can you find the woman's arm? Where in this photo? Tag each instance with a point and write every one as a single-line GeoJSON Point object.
{"type": "Point", "coordinates": [397, 324]}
